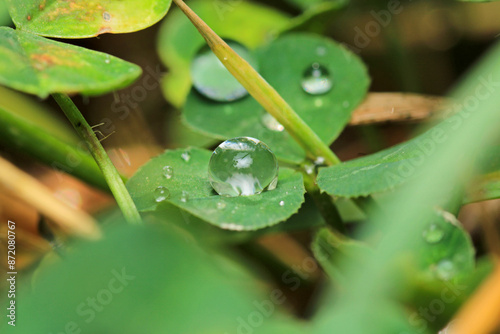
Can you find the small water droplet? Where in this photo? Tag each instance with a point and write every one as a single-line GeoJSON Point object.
{"type": "Point", "coordinates": [107, 60]}
{"type": "Point", "coordinates": [433, 234]}
{"type": "Point", "coordinates": [271, 123]}
{"type": "Point", "coordinates": [221, 205]}
{"type": "Point", "coordinates": [186, 156]}
{"type": "Point", "coordinates": [168, 172]}
{"type": "Point", "coordinates": [309, 168]}
{"type": "Point", "coordinates": [319, 161]}
{"type": "Point", "coordinates": [161, 194]}
{"type": "Point", "coordinates": [184, 196]}
{"type": "Point", "coordinates": [346, 104]}
{"type": "Point", "coordinates": [211, 78]}
{"type": "Point", "coordinates": [445, 270]}
{"type": "Point", "coordinates": [106, 16]}
{"type": "Point", "coordinates": [282, 203]}
{"type": "Point", "coordinates": [243, 166]}
{"type": "Point", "coordinates": [316, 80]}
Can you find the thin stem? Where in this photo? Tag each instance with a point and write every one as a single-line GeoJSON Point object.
{"type": "Point", "coordinates": [262, 91]}
{"type": "Point", "coordinates": [109, 171]}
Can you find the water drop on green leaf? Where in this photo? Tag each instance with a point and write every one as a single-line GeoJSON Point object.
{"type": "Point", "coordinates": [186, 156]}
{"type": "Point", "coordinates": [161, 194]}
{"type": "Point", "coordinates": [213, 80]}
{"type": "Point", "coordinates": [316, 80]}
{"type": "Point", "coordinates": [184, 196]}
{"type": "Point", "coordinates": [243, 166]}
{"type": "Point", "coordinates": [433, 233]}
{"type": "Point", "coordinates": [168, 172]}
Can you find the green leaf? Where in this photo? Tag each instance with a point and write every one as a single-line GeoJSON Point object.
{"type": "Point", "coordinates": [4, 14]}
{"type": "Point", "coordinates": [80, 18]}
{"type": "Point", "coordinates": [316, 17]}
{"type": "Point", "coordinates": [384, 170]}
{"type": "Point", "coordinates": [39, 66]}
{"type": "Point", "coordinates": [98, 285]}
{"type": "Point", "coordinates": [446, 249]}
{"type": "Point", "coordinates": [307, 4]}
{"type": "Point", "coordinates": [191, 191]}
{"type": "Point", "coordinates": [249, 23]}
{"type": "Point", "coordinates": [282, 64]}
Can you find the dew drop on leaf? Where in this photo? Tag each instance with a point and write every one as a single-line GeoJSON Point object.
{"type": "Point", "coordinates": [445, 270]}
{"type": "Point", "coordinates": [212, 80]}
{"type": "Point", "coordinates": [168, 172]}
{"type": "Point", "coordinates": [433, 234]}
{"type": "Point", "coordinates": [161, 194]}
{"type": "Point", "coordinates": [316, 80]}
{"type": "Point", "coordinates": [221, 205]}
{"type": "Point", "coordinates": [186, 156]}
{"type": "Point", "coordinates": [282, 203]}
{"type": "Point", "coordinates": [243, 166]}
{"type": "Point", "coordinates": [184, 196]}
{"type": "Point", "coordinates": [271, 123]}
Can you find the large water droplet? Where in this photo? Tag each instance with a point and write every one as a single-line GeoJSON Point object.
{"type": "Point", "coordinates": [168, 172]}
{"type": "Point", "coordinates": [271, 123]}
{"type": "Point", "coordinates": [213, 80]}
{"type": "Point", "coordinates": [433, 233]}
{"type": "Point", "coordinates": [243, 166]}
{"type": "Point", "coordinates": [316, 80]}
{"type": "Point", "coordinates": [161, 194]}
{"type": "Point", "coordinates": [445, 270]}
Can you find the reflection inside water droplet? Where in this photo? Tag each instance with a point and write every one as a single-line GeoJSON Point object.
{"type": "Point", "coordinates": [213, 80]}
{"type": "Point", "coordinates": [161, 194]}
{"type": "Point", "coordinates": [168, 172]}
{"type": "Point", "coordinates": [243, 166]}
{"type": "Point", "coordinates": [282, 203]}
{"type": "Point", "coordinates": [316, 80]}
{"type": "Point", "coordinates": [271, 123]}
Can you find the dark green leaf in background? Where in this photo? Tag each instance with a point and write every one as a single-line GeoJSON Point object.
{"type": "Point", "coordinates": [39, 66]}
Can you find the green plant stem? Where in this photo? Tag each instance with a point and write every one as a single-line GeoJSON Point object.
{"type": "Point", "coordinates": [109, 171]}
{"type": "Point", "coordinates": [262, 91]}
